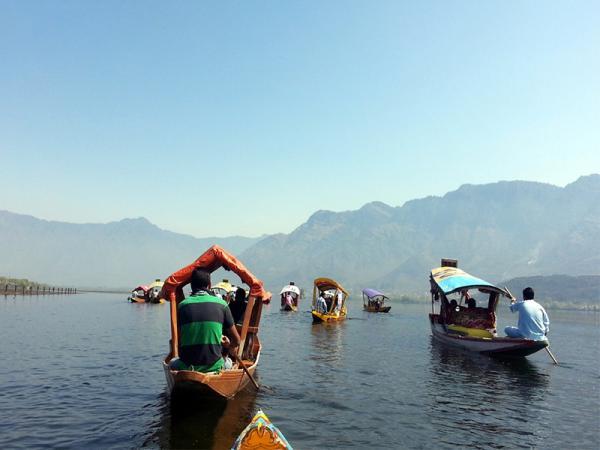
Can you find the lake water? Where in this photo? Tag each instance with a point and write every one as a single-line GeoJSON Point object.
{"type": "Point", "coordinates": [84, 371]}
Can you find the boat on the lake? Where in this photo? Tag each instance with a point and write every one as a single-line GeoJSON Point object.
{"type": "Point", "coordinates": [330, 289]}
{"type": "Point", "coordinates": [227, 382]}
{"type": "Point", "coordinates": [471, 327]}
{"type": "Point", "coordinates": [261, 434]}
{"type": "Point", "coordinates": [374, 301]}
{"type": "Point", "coordinates": [139, 294]}
{"type": "Point", "coordinates": [223, 289]}
{"type": "Point", "coordinates": [153, 293]}
{"type": "Point", "coordinates": [294, 292]}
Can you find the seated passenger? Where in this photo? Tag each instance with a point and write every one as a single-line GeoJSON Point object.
{"type": "Point", "coordinates": [471, 303]}
{"type": "Point", "coordinates": [238, 305]}
{"type": "Point", "coordinates": [203, 319]}
{"type": "Point", "coordinates": [322, 304]}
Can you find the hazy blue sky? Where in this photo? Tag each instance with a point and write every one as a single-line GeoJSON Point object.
{"type": "Point", "coordinates": [244, 117]}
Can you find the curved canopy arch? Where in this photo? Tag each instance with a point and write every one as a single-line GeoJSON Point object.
{"type": "Point", "coordinates": [212, 259]}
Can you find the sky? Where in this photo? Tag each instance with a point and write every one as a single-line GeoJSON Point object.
{"type": "Point", "coordinates": [245, 117]}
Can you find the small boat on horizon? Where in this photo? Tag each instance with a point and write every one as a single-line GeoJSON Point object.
{"type": "Point", "coordinates": [374, 301]}
{"type": "Point", "coordinates": [261, 434]}
{"type": "Point", "coordinates": [335, 309]}
{"type": "Point", "coordinates": [471, 327]}
{"type": "Point", "coordinates": [223, 289]}
{"type": "Point", "coordinates": [293, 291]}
{"type": "Point", "coordinates": [153, 293]}
{"type": "Point", "coordinates": [139, 294]}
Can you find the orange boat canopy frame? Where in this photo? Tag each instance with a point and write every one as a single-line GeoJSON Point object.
{"type": "Point", "coordinates": [212, 259]}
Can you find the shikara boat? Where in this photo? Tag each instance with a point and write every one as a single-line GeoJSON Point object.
{"type": "Point", "coordinates": [223, 289]}
{"type": "Point", "coordinates": [472, 328]}
{"type": "Point", "coordinates": [374, 301]}
{"type": "Point", "coordinates": [330, 288]}
{"type": "Point", "coordinates": [261, 434]}
{"type": "Point", "coordinates": [139, 294]}
{"type": "Point", "coordinates": [154, 292]}
{"type": "Point", "coordinates": [294, 293]}
{"type": "Point", "coordinates": [227, 382]}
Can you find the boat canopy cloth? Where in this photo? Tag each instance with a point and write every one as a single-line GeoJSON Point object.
{"type": "Point", "coordinates": [373, 293]}
{"type": "Point", "coordinates": [142, 287]}
{"type": "Point", "coordinates": [324, 284]}
{"type": "Point", "coordinates": [154, 284]}
{"type": "Point", "coordinates": [290, 288]}
{"type": "Point", "coordinates": [212, 259]}
{"type": "Point", "coordinates": [452, 279]}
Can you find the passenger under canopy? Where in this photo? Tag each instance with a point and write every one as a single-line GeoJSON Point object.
{"type": "Point", "coordinates": [449, 281]}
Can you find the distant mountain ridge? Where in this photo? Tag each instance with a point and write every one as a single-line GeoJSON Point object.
{"type": "Point", "coordinates": [560, 290]}
{"type": "Point", "coordinates": [115, 254]}
{"type": "Point", "coordinates": [497, 231]}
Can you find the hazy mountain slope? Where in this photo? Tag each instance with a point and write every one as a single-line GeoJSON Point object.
{"type": "Point", "coordinates": [498, 231]}
{"type": "Point", "coordinates": [116, 254]}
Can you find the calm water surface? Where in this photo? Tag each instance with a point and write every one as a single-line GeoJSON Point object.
{"type": "Point", "coordinates": [85, 371]}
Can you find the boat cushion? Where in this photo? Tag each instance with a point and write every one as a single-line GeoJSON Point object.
{"type": "Point", "coordinates": [474, 332]}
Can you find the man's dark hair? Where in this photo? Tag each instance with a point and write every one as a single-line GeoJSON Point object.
{"type": "Point", "coordinates": [200, 280]}
{"type": "Point", "coordinates": [528, 293]}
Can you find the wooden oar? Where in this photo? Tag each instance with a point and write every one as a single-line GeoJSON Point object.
{"type": "Point", "coordinates": [239, 361]}
{"type": "Point", "coordinates": [551, 355]}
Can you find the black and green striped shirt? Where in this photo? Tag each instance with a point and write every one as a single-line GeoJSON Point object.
{"type": "Point", "coordinates": [202, 318]}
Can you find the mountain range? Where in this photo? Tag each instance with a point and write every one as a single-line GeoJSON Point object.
{"type": "Point", "coordinates": [119, 254]}
{"type": "Point", "coordinates": [497, 231]}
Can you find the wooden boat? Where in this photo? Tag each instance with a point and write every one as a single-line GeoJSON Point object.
{"type": "Point", "coordinates": [223, 289]}
{"type": "Point", "coordinates": [330, 288]}
{"type": "Point", "coordinates": [139, 294]}
{"type": "Point", "coordinates": [227, 382]}
{"type": "Point", "coordinates": [294, 292]}
{"type": "Point", "coordinates": [374, 301]}
{"type": "Point", "coordinates": [472, 328]}
{"type": "Point", "coordinates": [153, 293]}
{"type": "Point", "coordinates": [261, 434]}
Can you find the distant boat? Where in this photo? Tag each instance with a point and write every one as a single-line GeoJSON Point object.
{"type": "Point", "coordinates": [153, 293]}
{"type": "Point", "coordinates": [374, 301]}
{"type": "Point", "coordinates": [139, 294]}
{"type": "Point", "coordinates": [472, 328]}
{"type": "Point", "coordinates": [223, 289]}
{"type": "Point", "coordinates": [227, 382]}
{"type": "Point", "coordinates": [294, 293]}
{"type": "Point", "coordinates": [261, 434]}
{"type": "Point", "coordinates": [330, 289]}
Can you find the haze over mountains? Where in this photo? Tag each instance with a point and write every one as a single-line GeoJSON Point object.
{"type": "Point", "coordinates": [114, 255]}
{"type": "Point", "coordinates": [497, 231]}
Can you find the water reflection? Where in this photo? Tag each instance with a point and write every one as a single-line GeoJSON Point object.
{"type": "Point", "coordinates": [478, 397]}
{"type": "Point", "coordinates": [327, 343]}
{"type": "Point", "coordinates": [189, 420]}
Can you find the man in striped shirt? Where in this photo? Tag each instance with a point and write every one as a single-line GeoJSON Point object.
{"type": "Point", "coordinates": [203, 320]}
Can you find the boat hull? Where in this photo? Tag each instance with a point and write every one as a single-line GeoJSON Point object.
{"type": "Point", "coordinates": [226, 383]}
{"type": "Point", "coordinates": [327, 317]}
{"type": "Point", "coordinates": [495, 346]}
{"type": "Point", "coordinates": [289, 308]}
{"type": "Point", "coordinates": [383, 309]}
{"type": "Point", "coordinates": [137, 300]}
